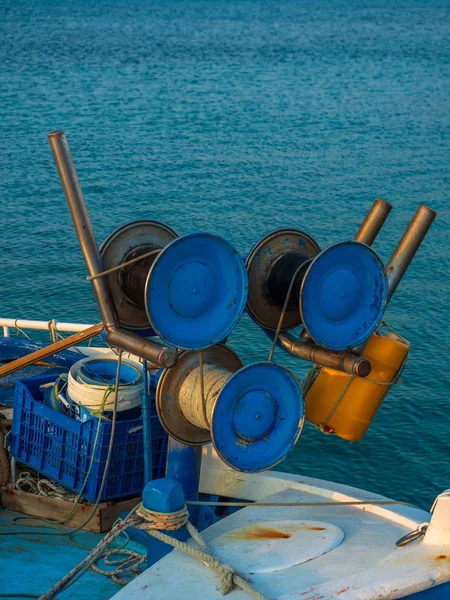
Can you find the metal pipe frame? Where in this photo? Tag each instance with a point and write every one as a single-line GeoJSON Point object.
{"type": "Point", "coordinates": [147, 426]}
{"type": "Point", "coordinates": [344, 361]}
{"type": "Point", "coordinates": [115, 334]}
{"type": "Point", "coordinates": [183, 465]}
{"type": "Point", "coordinates": [408, 246]}
{"type": "Point", "coordinates": [373, 222]}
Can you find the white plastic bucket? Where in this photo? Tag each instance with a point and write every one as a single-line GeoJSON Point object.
{"type": "Point", "coordinates": [91, 379]}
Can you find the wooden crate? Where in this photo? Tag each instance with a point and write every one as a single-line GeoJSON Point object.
{"type": "Point", "coordinates": [52, 508]}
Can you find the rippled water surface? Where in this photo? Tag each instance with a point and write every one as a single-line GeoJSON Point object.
{"type": "Point", "coordinates": [239, 117]}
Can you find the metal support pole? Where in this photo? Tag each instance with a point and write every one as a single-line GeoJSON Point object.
{"type": "Point", "coordinates": [147, 427]}
{"type": "Point", "coordinates": [344, 361]}
{"type": "Point", "coordinates": [408, 246]}
{"type": "Point", "coordinates": [116, 336]}
{"type": "Point", "coordinates": [373, 222]}
{"type": "Point", "coordinates": [82, 224]}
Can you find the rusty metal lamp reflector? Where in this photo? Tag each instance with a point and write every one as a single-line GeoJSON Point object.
{"type": "Point", "coordinates": [128, 284]}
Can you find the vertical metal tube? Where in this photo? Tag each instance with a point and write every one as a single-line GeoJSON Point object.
{"type": "Point", "coordinates": [147, 427]}
{"type": "Point", "coordinates": [116, 336]}
{"type": "Point", "coordinates": [408, 246]}
{"type": "Point", "coordinates": [83, 225]}
{"type": "Point", "coordinates": [373, 222]}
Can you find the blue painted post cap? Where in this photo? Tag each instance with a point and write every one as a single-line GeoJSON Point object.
{"type": "Point", "coordinates": [163, 495]}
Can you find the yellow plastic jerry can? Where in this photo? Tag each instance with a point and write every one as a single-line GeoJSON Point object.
{"type": "Point", "coordinates": [350, 416]}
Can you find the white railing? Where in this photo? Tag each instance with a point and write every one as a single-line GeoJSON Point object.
{"type": "Point", "coordinates": [53, 326]}
{"type": "Point", "coordinates": [50, 326]}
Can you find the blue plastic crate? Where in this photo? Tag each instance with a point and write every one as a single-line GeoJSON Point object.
{"type": "Point", "coordinates": [60, 448]}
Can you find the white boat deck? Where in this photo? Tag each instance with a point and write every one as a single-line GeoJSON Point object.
{"type": "Point", "coordinates": [305, 552]}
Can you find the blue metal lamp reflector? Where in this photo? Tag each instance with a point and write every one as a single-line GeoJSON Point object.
{"type": "Point", "coordinates": [343, 295]}
{"type": "Point", "coordinates": [258, 417]}
{"type": "Point", "coordinates": [196, 291]}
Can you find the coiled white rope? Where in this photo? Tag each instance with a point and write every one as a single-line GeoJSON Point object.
{"type": "Point", "coordinates": [154, 520]}
{"type": "Point", "coordinates": [129, 566]}
{"type": "Point", "coordinates": [90, 559]}
{"type": "Point", "coordinates": [33, 484]}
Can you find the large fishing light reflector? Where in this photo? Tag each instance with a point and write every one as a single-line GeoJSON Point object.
{"type": "Point", "coordinates": [272, 264]}
{"type": "Point", "coordinates": [127, 285]}
{"type": "Point", "coordinates": [253, 415]}
{"type": "Point", "coordinates": [196, 291]}
{"type": "Point", "coordinates": [343, 295]}
{"type": "Point", "coordinates": [258, 417]}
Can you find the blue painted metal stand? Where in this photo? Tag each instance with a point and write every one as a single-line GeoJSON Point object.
{"type": "Point", "coordinates": [164, 496]}
{"type": "Point", "coordinates": [183, 466]}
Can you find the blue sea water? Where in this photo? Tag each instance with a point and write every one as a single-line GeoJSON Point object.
{"type": "Point", "coordinates": [238, 117]}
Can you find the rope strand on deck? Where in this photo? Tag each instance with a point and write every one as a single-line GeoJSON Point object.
{"type": "Point", "coordinates": [154, 523]}
{"type": "Point", "coordinates": [128, 566]}
{"type": "Point", "coordinates": [90, 559]}
{"type": "Point", "coordinates": [229, 578]}
{"type": "Point", "coordinates": [375, 502]}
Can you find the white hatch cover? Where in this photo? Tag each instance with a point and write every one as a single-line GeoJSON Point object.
{"type": "Point", "coordinates": [270, 546]}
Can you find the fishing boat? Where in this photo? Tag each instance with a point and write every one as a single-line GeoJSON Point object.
{"type": "Point", "coordinates": [159, 433]}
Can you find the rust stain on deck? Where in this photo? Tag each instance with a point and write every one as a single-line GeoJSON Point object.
{"type": "Point", "coordinates": [261, 532]}
{"type": "Point", "coordinates": [258, 532]}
